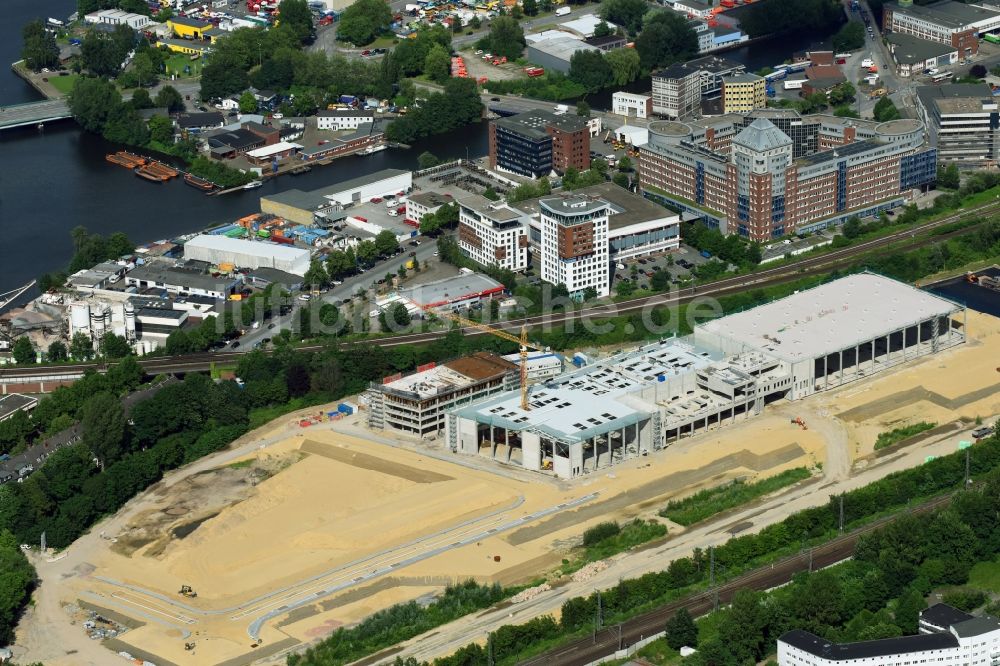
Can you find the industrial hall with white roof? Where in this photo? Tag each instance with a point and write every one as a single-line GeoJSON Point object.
{"type": "Point", "coordinates": [641, 400]}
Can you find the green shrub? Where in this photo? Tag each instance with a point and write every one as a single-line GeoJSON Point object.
{"type": "Point", "coordinates": [600, 532]}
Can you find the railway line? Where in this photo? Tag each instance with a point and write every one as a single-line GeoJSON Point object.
{"type": "Point", "coordinates": [608, 640]}
{"type": "Point", "coordinates": [760, 279]}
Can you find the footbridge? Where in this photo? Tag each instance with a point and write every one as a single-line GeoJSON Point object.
{"type": "Point", "coordinates": [33, 113]}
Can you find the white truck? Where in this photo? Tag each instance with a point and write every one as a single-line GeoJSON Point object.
{"type": "Point", "coordinates": [563, 11]}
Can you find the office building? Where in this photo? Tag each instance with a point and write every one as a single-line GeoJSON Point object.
{"type": "Point", "coordinates": [774, 172]}
{"type": "Point", "coordinates": [492, 232]}
{"type": "Point", "coordinates": [963, 640]}
{"type": "Point", "coordinates": [678, 89]}
{"type": "Point", "coordinates": [424, 203]}
{"type": "Point", "coordinates": [963, 123]}
{"type": "Point", "coordinates": [536, 143]}
{"type": "Point", "coordinates": [644, 399]}
{"type": "Point", "coordinates": [743, 93]}
{"type": "Point", "coordinates": [574, 247]}
{"type": "Point", "coordinates": [954, 23]}
{"type": "Point", "coordinates": [416, 404]}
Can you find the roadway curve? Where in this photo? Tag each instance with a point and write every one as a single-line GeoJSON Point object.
{"type": "Point", "coordinates": [759, 279]}
{"type": "Point", "coordinates": [609, 640]}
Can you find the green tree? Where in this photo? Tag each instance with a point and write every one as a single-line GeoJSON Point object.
{"type": "Point", "coordinates": [161, 130]}
{"type": "Point", "coordinates": [103, 54]}
{"type": "Point", "coordinates": [366, 252]}
{"type": "Point", "coordinates": [394, 318]}
{"type": "Point", "coordinates": [426, 160]}
{"type": "Point", "coordinates": [625, 66]}
{"type": "Point", "coordinates": [362, 22]}
{"type": "Point", "coordinates": [977, 71]}
{"type": "Point", "coordinates": [295, 15]}
{"type": "Point", "coordinates": [583, 109]}
{"type": "Point", "coordinates": [506, 38]}
{"type": "Point", "coordinates": [39, 48]}
{"type": "Point", "coordinates": [248, 103]}
{"type": "Point", "coordinates": [590, 69]}
{"type": "Point", "coordinates": [141, 99]}
{"type": "Point", "coordinates": [145, 69]}
{"type": "Point", "coordinates": [850, 37]}
{"type": "Point", "coordinates": [842, 94]}
{"type": "Point", "coordinates": [530, 8]}
{"type": "Point", "coordinates": [660, 280]}
{"type": "Point", "coordinates": [602, 29]}
{"type": "Point", "coordinates": [851, 228]}
{"type": "Point", "coordinates": [949, 177]}
{"type": "Point", "coordinates": [125, 126]}
{"type": "Point", "coordinates": [316, 276]}
{"type": "Point", "coordinates": [386, 243]}
{"type": "Point", "coordinates": [626, 13]}
{"type": "Point", "coordinates": [18, 578]}
{"type": "Point", "coordinates": [80, 347]}
{"type": "Point", "coordinates": [223, 75]}
{"type": "Point", "coordinates": [437, 64]}
{"type": "Point", "coordinates": [57, 351]}
{"type": "Point", "coordinates": [23, 351]}
{"type": "Point", "coordinates": [620, 179]}
{"type": "Point", "coordinates": [625, 288]}
{"type": "Point", "coordinates": [114, 346]}
{"type": "Point", "coordinates": [625, 163]}
{"type": "Point", "coordinates": [92, 102]}
{"type": "Point", "coordinates": [103, 422]}
{"type": "Point", "coordinates": [666, 38]}
{"type": "Point", "coordinates": [907, 612]}
{"type": "Point", "coordinates": [681, 630]}
{"type": "Point", "coordinates": [168, 98]}
{"type": "Point", "coordinates": [491, 194]}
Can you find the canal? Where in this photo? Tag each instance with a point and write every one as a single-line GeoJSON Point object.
{"type": "Point", "coordinates": [56, 179]}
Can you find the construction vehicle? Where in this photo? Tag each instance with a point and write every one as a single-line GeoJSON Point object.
{"type": "Point", "coordinates": [188, 592]}
{"type": "Point", "coordinates": [878, 92]}
{"type": "Point", "coordinates": [522, 342]}
{"type": "Point", "coordinates": [799, 422]}
{"type": "Point", "coordinates": [189, 646]}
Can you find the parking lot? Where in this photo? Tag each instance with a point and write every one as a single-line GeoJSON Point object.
{"type": "Point", "coordinates": [679, 264]}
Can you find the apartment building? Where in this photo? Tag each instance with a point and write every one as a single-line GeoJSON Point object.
{"type": "Point", "coordinates": [493, 233]}
{"type": "Point", "coordinates": [964, 123]}
{"type": "Point", "coordinates": [749, 175]}
{"type": "Point", "coordinates": [574, 243]}
{"type": "Point", "coordinates": [536, 143]}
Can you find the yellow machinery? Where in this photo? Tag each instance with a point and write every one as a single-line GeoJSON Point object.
{"type": "Point", "coordinates": [522, 341]}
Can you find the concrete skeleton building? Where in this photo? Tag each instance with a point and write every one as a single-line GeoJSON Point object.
{"type": "Point", "coordinates": [773, 172]}
{"type": "Point", "coordinates": [416, 404]}
{"type": "Point", "coordinates": [964, 123]}
{"type": "Point", "coordinates": [729, 369]}
{"type": "Point", "coordinates": [947, 637]}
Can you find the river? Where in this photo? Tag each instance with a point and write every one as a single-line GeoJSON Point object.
{"type": "Point", "coordinates": [56, 179]}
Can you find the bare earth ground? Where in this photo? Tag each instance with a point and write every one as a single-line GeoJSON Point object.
{"type": "Point", "coordinates": [319, 528]}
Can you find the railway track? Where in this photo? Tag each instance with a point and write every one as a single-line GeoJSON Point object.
{"type": "Point", "coordinates": [760, 279]}
{"type": "Point", "coordinates": [610, 639]}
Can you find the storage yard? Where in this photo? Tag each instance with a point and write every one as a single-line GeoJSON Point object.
{"type": "Point", "coordinates": [399, 521]}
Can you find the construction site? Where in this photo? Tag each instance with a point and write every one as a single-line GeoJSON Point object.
{"type": "Point", "coordinates": [307, 525]}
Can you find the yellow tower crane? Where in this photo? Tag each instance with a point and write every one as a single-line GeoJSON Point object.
{"type": "Point", "coordinates": [522, 341]}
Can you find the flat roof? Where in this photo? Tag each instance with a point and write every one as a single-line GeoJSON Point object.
{"type": "Point", "coordinates": [165, 313]}
{"type": "Point", "coordinates": [14, 402]}
{"type": "Point", "coordinates": [452, 375]}
{"type": "Point", "coordinates": [592, 400]}
{"type": "Point", "coordinates": [298, 199]}
{"type": "Point", "coordinates": [273, 149]}
{"type": "Point", "coordinates": [256, 248]}
{"type": "Point", "coordinates": [943, 615]}
{"type": "Point", "coordinates": [821, 647]}
{"type": "Point", "coordinates": [169, 275]}
{"type": "Point", "coordinates": [827, 318]}
{"type": "Point", "coordinates": [626, 209]}
{"type": "Point", "coordinates": [430, 199]}
{"type": "Point", "coordinates": [360, 181]}
{"type": "Point", "coordinates": [533, 123]}
{"type": "Point", "coordinates": [451, 290]}
{"type": "Point", "coordinates": [275, 275]}
{"type": "Point", "coordinates": [948, 14]}
{"type": "Point", "coordinates": [909, 49]}
{"type": "Point", "coordinates": [189, 22]}
{"type": "Point", "coordinates": [346, 113]}
{"type": "Point", "coordinates": [498, 211]}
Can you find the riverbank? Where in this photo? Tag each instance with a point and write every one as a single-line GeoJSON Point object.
{"type": "Point", "coordinates": [38, 81]}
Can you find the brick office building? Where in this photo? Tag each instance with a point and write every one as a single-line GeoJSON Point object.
{"type": "Point", "coordinates": [536, 143]}
{"type": "Point", "coordinates": [773, 172]}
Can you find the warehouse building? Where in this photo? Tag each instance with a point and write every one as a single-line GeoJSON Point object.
{"type": "Point", "coordinates": [320, 205]}
{"type": "Point", "coordinates": [165, 276]}
{"type": "Point", "coordinates": [964, 639]}
{"type": "Point", "coordinates": [460, 291]}
{"type": "Point", "coordinates": [416, 404]}
{"type": "Point", "coordinates": [536, 143]}
{"type": "Point", "coordinates": [118, 17]}
{"type": "Point", "coordinates": [246, 254]}
{"type": "Point", "coordinates": [188, 28]}
{"type": "Point", "coordinates": [557, 51]}
{"type": "Point", "coordinates": [296, 206]}
{"type": "Point", "coordinates": [963, 123]}
{"type": "Point", "coordinates": [379, 184]}
{"type": "Point", "coordinates": [773, 172]}
{"type": "Point", "coordinates": [912, 56]}
{"type": "Point", "coordinates": [953, 23]}
{"type": "Point", "coordinates": [642, 400]}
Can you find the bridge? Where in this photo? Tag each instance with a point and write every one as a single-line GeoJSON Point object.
{"type": "Point", "coordinates": [33, 113]}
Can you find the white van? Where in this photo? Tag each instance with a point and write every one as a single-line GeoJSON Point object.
{"type": "Point", "coordinates": [562, 11]}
